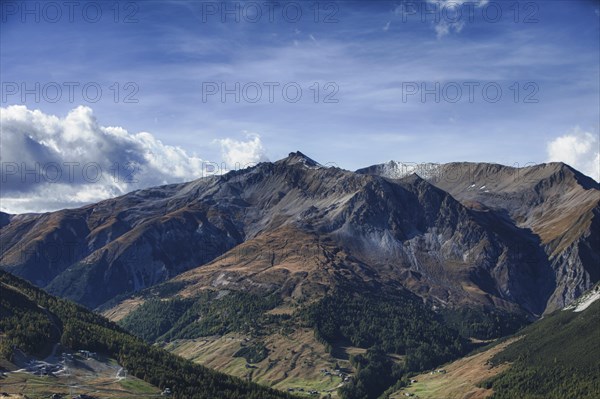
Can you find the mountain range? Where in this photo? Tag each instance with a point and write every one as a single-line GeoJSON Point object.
{"type": "Point", "coordinates": [285, 271]}
{"type": "Point", "coordinates": [520, 239]}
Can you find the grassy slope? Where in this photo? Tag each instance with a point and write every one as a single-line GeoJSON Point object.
{"type": "Point", "coordinates": [294, 360]}
{"type": "Point", "coordinates": [460, 380]}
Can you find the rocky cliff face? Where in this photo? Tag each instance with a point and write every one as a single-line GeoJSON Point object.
{"type": "Point", "coordinates": [552, 206]}
{"type": "Point", "coordinates": [120, 245]}
{"type": "Point", "coordinates": [296, 226]}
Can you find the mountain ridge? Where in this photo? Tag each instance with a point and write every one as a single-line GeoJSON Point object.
{"type": "Point", "coordinates": [149, 236]}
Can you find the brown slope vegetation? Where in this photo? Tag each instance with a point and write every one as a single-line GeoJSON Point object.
{"type": "Point", "coordinates": [286, 259]}
{"type": "Point", "coordinates": [295, 360]}
{"type": "Point", "coordinates": [460, 379]}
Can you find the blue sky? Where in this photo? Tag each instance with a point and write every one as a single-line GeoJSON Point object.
{"type": "Point", "coordinates": [367, 55]}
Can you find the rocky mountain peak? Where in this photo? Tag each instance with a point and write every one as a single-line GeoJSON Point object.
{"type": "Point", "coordinates": [295, 158]}
{"type": "Point", "coordinates": [560, 172]}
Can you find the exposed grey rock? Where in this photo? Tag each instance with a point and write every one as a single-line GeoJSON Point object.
{"type": "Point", "coordinates": [454, 234]}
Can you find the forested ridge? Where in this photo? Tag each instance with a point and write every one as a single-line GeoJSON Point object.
{"type": "Point", "coordinates": [31, 318]}
{"type": "Point", "coordinates": [556, 358]}
{"type": "Point", "coordinates": [206, 314]}
{"type": "Point", "coordinates": [384, 323]}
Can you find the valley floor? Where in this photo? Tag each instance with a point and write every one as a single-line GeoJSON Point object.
{"type": "Point", "coordinates": [103, 378]}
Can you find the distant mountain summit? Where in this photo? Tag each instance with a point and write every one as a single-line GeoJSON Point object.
{"type": "Point", "coordinates": [522, 240]}
{"type": "Point", "coordinates": [299, 158]}
{"type": "Point", "coordinates": [398, 170]}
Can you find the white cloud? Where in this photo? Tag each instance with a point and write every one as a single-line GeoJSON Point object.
{"type": "Point", "coordinates": [578, 149]}
{"type": "Point", "coordinates": [452, 15]}
{"type": "Point", "coordinates": [443, 28]}
{"type": "Point", "coordinates": [386, 27]}
{"type": "Point", "coordinates": [50, 162]}
{"type": "Point", "coordinates": [239, 154]}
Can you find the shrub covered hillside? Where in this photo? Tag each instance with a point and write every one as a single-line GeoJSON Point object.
{"type": "Point", "coordinates": [383, 322]}
{"type": "Point", "coordinates": [33, 320]}
{"type": "Point", "coordinates": [204, 315]}
{"type": "Point", "coordinates": [557, 358]}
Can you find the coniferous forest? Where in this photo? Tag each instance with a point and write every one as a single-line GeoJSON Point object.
{"type": "Point", "coordinates": [32, 320]}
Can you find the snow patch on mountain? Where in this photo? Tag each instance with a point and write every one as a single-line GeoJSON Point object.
{"type": "Point", "coordinates": [398, 170]}
{"type": "Point", "coordinates": [585, 300]}
{"type": "Point", "coordinates": [584, 304]}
